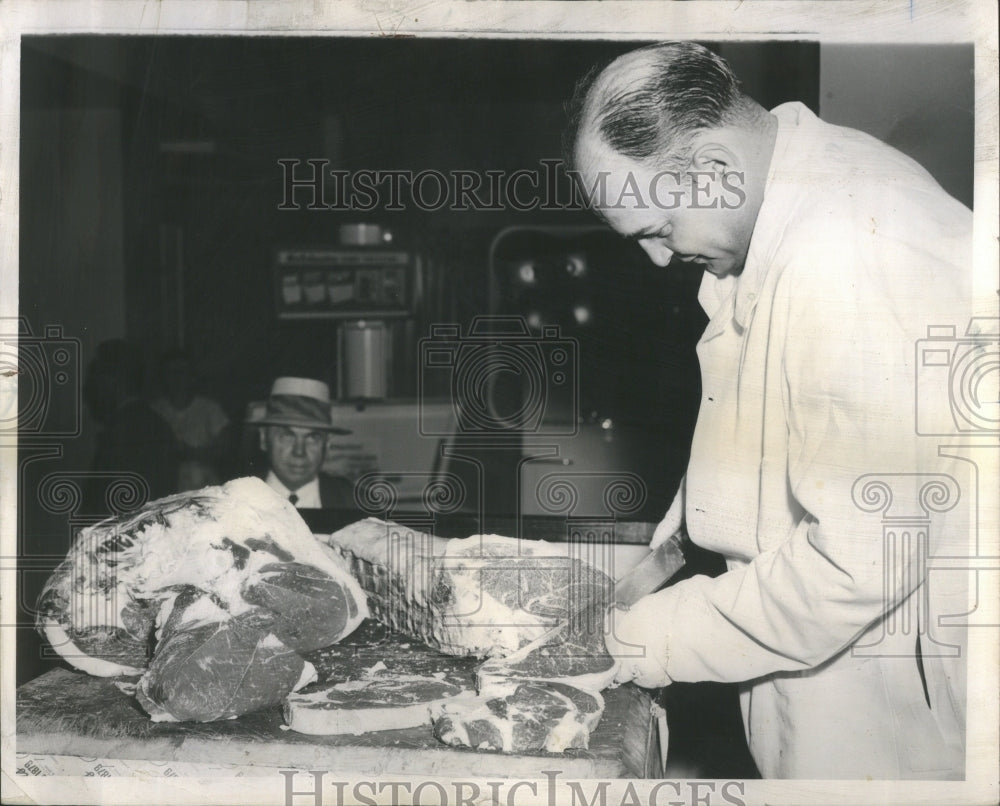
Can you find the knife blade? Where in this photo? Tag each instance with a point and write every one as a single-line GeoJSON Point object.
{"type": "Point", "coordinates": [652, 571]}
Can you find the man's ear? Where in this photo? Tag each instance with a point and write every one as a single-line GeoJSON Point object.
{"type": "Point", "coordinates": [714, 157]}
{"type": "Point", "coordinates": [262, 438]}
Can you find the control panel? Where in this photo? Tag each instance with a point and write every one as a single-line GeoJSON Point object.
{"type": "Point", "coordinates": [343, 283]}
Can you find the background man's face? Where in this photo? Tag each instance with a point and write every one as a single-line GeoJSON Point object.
{"type": "Point", "coordinates": [295, 453]}
{"type": "Point", "coordinates": [696, 218]}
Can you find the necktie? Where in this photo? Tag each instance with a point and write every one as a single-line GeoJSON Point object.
{"type": "Point", "coordinates": [294, 499]}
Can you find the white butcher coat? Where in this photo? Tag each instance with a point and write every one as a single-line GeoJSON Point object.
{"type": "Point", "coordinates": [807, 423]}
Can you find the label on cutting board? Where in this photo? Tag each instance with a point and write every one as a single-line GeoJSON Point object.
{"type": "Point", "coordinates": [36, 764]}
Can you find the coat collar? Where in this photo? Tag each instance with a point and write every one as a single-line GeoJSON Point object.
{"type": "Point", "coordinates": [734, 299]}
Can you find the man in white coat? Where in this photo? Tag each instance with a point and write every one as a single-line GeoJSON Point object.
{"type": "Point", "coordinates": [826, 256]}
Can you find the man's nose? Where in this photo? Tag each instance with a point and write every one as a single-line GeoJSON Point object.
{"type": "Point", "coordinates": [299, 446]}
{"type": "Point", "coordinates": [657, 251]}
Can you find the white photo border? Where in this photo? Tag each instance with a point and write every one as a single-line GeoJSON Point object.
{"type": "Point", "coordinates": [843, 21]}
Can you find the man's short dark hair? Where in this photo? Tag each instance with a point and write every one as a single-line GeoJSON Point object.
{"type": "Point", "coordinates": [686, 88]}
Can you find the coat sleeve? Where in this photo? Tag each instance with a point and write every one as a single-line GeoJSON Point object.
{"type": "Point", "coordinates": [845, 334]}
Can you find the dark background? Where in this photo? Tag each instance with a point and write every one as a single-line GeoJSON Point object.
{"type": "Point", "coordinates": [150, 188]}
{"type": "Point", "coordinates": [379, 104]}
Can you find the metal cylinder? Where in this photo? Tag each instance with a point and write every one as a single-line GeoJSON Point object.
{"type": "Point", "coordinates": [366, 360]}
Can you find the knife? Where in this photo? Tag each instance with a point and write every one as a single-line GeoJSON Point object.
{"type": "Point", "coordinates": [652, 572]}
{"type": "Point", "coordinates": [656, 568]}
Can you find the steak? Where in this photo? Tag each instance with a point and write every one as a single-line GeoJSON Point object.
{"type": "Point", "coordinates": [241, 544]}
{"type": "Point", "coordinates": [520, 717]}
{"type": "Point", "coordinates": [378, 700]}
{"type": "Point", "coordinates": [408, 678]}
{"type": "Point", "coordinates": [397, 661]}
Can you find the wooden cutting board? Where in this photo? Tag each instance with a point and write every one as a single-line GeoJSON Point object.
{"type": "Point", "coordinates": [73, 714]}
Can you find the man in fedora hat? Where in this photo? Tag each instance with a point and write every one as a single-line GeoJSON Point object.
{"type": "Point", "coordinates": [293, 435]}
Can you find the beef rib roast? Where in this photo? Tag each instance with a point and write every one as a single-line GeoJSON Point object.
{"type": "Point", "coordinates": [210, 595]}
{"type": "Point", "coordinates": [485, 595]}
{"type": "Point", "coordinates": [241, 543]}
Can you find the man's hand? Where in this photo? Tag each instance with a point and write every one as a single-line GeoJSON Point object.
{"type": "Point", "coordinates": [635, 638]}
{"type": "Point", "coordinates": [673, 520]}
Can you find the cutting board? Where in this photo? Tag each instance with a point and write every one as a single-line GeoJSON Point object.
{"type": "Point", "coordinates": [69, 713]}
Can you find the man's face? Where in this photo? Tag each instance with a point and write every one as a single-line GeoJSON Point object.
{"type": "Point", "coordinates": [296, 453]}
{"type": "Point", "coordinates": [698, 217]}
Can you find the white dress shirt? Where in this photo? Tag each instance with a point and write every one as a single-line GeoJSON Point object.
{"type": "Point", "coordinates": [308, 494]}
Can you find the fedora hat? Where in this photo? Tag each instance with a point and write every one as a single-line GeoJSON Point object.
{"type": "Point", "coordinates": [301, 402]}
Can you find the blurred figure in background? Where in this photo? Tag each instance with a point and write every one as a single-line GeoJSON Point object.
{"type": "Point", "coordinates": [134, 438]}
{"type": "Point", "coordinates": [199, 423]}
{"type": "Point", "coordinates": [293, 435]}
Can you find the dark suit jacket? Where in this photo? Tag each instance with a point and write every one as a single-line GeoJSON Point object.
{"type": "Point", "coordinates": [336, 492]}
